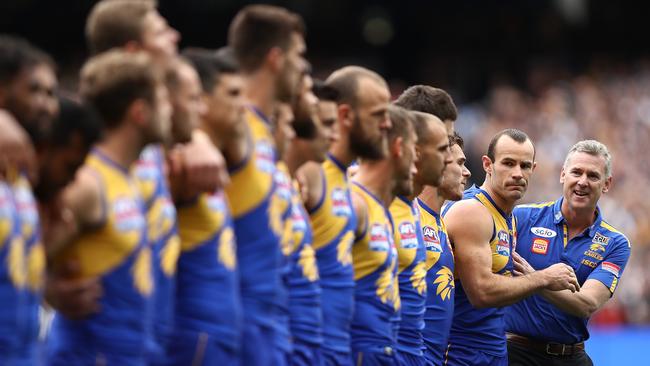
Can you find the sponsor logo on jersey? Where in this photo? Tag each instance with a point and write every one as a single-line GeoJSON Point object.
{"type": "Point", "coordinates": [340, 203]}
{"type": "Point", "coordinates": [265, 156]}
{"type": "Point", "coordinates": [611, 268]}
{"type": "Point", "coordinates": [378, 238]}
{"type": "Point", "coordinates": [408, 235]}
{"type": "Point", "coordinates": [283, 185]}
{"type": "Point", "coordinates": [543, 232]}
{"type": "Point", "coordinates": [503, 245]}
{"type": "Point", "coordinates": [128, 215]}
{"type": "Point", "coordinates": [540, 246]}
{"type": "Point", "coordinates": [600, 239]}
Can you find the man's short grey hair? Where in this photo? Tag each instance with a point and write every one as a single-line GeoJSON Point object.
{"type": "Point", "coordinates": [595, 148]}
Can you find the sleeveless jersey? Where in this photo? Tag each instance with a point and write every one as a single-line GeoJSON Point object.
{"type": "Point", "coordinates": [376, 291]}
{"type": "Point", "coordinates": [333, 224]}
{"type": "Point", "coordinates": [283, 195]}
{"type": "Point", "coordinates": [118, 252]}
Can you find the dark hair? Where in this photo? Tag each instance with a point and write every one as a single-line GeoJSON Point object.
{"type": "Point", "coordinates": [114, 23]}
{"type": "Point", "coordinates": [346, 82]}
{"type": "Point", "coordinates": [515, 134]}
{"type": "Point", "coordinates": [210, 64]}
{"type": "Point", "coordinates": [401, 123]}
{"type": "Point", "coordinates": [421, 125]}
{"type": "Point", "coordinates": [75, 118]}
{"type": "Point", "coordinates": [324, 92]}
{"type": "Point", "coordinates": [113, 80]}
{"type": "Point", "coordinates": [427, 99]}
{"type": "Point", "coordinates": [256, 29]}
{"type": "Point", "coordinates": [455, 139]}
{"type": "Point", "coordinates": [16, 54]}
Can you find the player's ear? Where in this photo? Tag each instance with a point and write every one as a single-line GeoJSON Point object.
{"type": "Point", "coordinates": [562, 176]}
{"type": "Point", "coordinates": [487, 164]}
{"type": "Point", "coordinates": [534, 165]}
{"type": "Point", "coordinates": [274, 59]}
{"type": "Point", "coordinates": [396, 148]}
{"type": "Point", "coordinates": [608, 184]}
{"type": "Point", "coordinates": [346, 115]}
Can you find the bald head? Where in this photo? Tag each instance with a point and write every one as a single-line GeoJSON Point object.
{"type": "Point", "coordinates": [346, 82]}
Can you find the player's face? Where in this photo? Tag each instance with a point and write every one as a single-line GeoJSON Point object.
{"type": "Point", "coordinates": [328, 117]}
{"type": "Point", "coordinates": [226, 104]}
{"type": "Point", "coordinates": [283, 132]}
{"type": "Point", "coordinates": [434, 154]}
{"type": "Point", "coordinates": [510, 172]}
{"type": "Point", "coordinates": [455, 176]}
{"type": "Point", "coordinates": [58, 165]}
{"type": "Point", "coordinates": [160, 124]}
{"type": "Point", "coordinates": [405, 167]}
{"type": "Point", "coordinates": [370, 122]}
{"type": "Point", "coordinates": [158, 38]}
{"type": "Point", "coordinates": [31, 98]}
{"type": "Point", "coordinates": [188, 105]}
{"type": "Point", "coordinates": [289, 81]}
{"type": "Point", "coordinates": [584, 180]}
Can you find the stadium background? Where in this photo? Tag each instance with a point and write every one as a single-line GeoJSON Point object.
{"type": "Point", "coordinates": [560, 70]}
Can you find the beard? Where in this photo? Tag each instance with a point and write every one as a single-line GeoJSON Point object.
{"type": "Point", "coordinates": [364, 147]}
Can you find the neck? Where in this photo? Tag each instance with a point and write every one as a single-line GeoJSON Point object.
{"type": "Point", "coordinates": [417, 188]}
{"type": "Point", "coordinates": [340, 149]}
{"type": "Point", "coordinates": [122, 145]}
{"type": "Point", "coordinates": [211, 134]}
{"type": "Point", "coordinates": [260, 91]}
{"type": "Point", "coordinates": [429, 195]}
{"type": "Point", "coordinates": [294, 159]}
{"type": "Point", "coordinates": [375, 176]}
{"type": "Point", "coordinates": [499, 201]}
{"type": "Point", "coordinates": [578, 220]}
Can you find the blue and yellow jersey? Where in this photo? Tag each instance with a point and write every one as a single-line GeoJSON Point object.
{"type": "Point", "coordinates": [13, 277]}
{"type": "Point", "coordinates": [207, 295]}
{"type": "Point", "coordinates": [306, 317]}
{"type": "Point", "coordinates": [484, 329]}
{"type": "Point", "coordinates": [284, 195]}
{"type": "Point", "coordinates": [599, 253]}
{"type": "Point", "coordinates": [116, 251]}
{"type": "Point", "coordinates": [258, 224]}
{"type": "Point", "coordinates": [440, 284]}
{"type": "Point", "coordinates": [376, 293]}
{"type": "Point", "coordinates": [412, 272]}
{"type": "Point", "coordinates": [34, 257]}
{"type": "Point", "coordinates": [149, 174]}
{"type": "Point", "coordinates": [333, 224]}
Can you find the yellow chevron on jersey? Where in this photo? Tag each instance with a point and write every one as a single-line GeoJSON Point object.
{"type": "Point", "coordinates": [121, 233]}
{"type": "Point", "coordinates": [227, 249]}
{"type": "Point", "coordinates": [334, 212]}
{"type": "Point", "coordinates": [201, 220]}
{"type": "Point", "coordinates": [33, 253]}
{"type": "Point", "coordinates": [16, 259]}
{"type": "Point", "coordinates": [252, 182]}
{"type": "Point", "coordinates": [36, 263]}
{"type": "Point", "coordinates": [500, 243]}
{"type": "Point", "coordinates": [407, 243]}
{"type": "Point", "coordinates": [283, 204]}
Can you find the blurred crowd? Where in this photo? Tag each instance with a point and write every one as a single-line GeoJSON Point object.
{"type": "Point", "coordinates": [609, 104]}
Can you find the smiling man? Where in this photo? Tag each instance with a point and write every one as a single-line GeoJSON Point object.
{"type": "Point", "coordinates": [570, 230]}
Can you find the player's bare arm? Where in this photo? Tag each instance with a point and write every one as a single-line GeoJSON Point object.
{"type": "Point", "coordinates": [592, 295]}
{"type": "Point", "coordinates": [361, 213]}
{"type": "Point", "coordinates": [474, 261]}
{"type": "Point", "coordinates": [310, 177]}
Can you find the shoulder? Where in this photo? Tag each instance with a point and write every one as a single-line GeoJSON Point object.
{"type": "Point", "coordinates": [607, 233]}
{"type": "Point", "coordinates": [310, 172]}
{"type": "Point", "coordinates": [531, 210]}
{"type": "Point", "coordinates": [468, 213]}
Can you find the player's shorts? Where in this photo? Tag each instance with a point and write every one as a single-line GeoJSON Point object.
{"type": "Point", "coordinates": [375, 356]}
{"type": "Point", "coordinates": [461, 356]}
{"type": "Point", "coordinates": [333, 358]}
{"type": "Point", "coordinates": [257, 345]}
{"type": "Point", "coordinates": [305, 354]}
{"type": "Point", "coordinates": [409, 359]}
{"type": "Point", "coordinates": [198, 348]}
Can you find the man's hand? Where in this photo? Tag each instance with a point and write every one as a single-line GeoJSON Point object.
{"type": "Point", "coordinates": [73, 297]}
{"type": "Point", "coordinates": [16, 150]}
{"type": "Point", "coordinates": [522, 267]}
{"type": "Point", "coordinates": [560, 277]}
{"type": "Point", "coordinates": [198, 166]}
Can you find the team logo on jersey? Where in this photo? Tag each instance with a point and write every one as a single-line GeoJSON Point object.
{"type": "Point", "coordinates": [596, 247]}
{"type": "Point", "coordinates": [146, 169]}
{"type": "Point", "coordinates": [378, 238]}
{"type": "Point", "coordinates": [407, 235]}
{"type": "Point", "coordinates": [431, 239]}
{"type": "Point", "coordinates": [543, 232]}
{"type": "Point", "coordinates": [128, 215]}
{"type": "Point", "coordinates": [340, 203]}
{"type": "Point", "coordinates": [445, 281]}
{"type": "Point", "coordinates": [600, 239]}
{"type": "Point", "coordinates": [540, 246]}
{"type": "Point", "coordinates": [611, 268]}
{"type": "Point", "coordinates": [503, 245]}
{"type": "Point", "coordinates": [265, 156]}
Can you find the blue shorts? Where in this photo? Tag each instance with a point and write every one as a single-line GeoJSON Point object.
{"type": "Point", "coordinates": [375, 356]}
{"type": "Point", "coordinates": [305, 354]}
{"type": "Point", "coordinates": [257, 346]}
{"type": "Point", "coordinates": [333, 358]}
{"type": "Point", "coordinates": [194, 348]}
{"type": "Point", "coordinates": [461, 356]}
{"type": "Point", "coordinates": [409, 359]}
